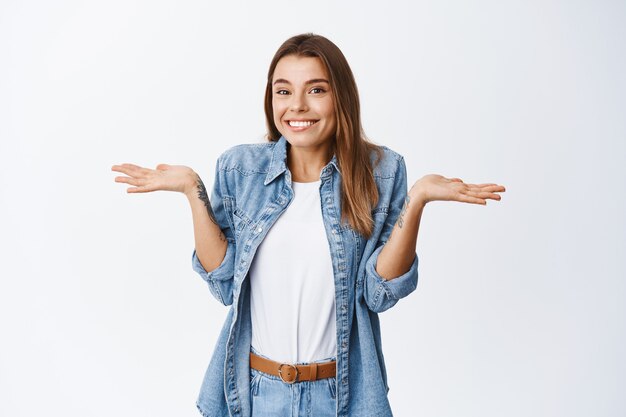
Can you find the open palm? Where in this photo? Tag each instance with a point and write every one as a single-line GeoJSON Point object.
{"type": "Point", "coordinates": [165, 178]}
{"type": "Point", "coordinates": [435, 187]}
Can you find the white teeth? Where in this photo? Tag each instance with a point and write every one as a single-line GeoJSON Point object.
{"type": "Point", "coordinates": [300, 124]}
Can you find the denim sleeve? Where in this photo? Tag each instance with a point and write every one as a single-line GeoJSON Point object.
{"type": "Point", "coordinates": [220, 280]}
{"type": "Point", "coordinates": [382, 294]}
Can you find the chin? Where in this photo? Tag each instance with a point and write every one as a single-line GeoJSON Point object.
{"type": "Point", "coordinates": [303, 140]}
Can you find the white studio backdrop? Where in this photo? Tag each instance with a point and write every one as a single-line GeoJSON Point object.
{"type": "Point", "coordinates": [520, 309]}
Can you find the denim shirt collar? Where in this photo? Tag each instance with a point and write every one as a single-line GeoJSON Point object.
{"type": "Point", "coordinates": [278, 164]}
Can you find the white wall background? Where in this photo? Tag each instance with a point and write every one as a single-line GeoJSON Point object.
{"type": "Point", "coordinates": [520, 310]}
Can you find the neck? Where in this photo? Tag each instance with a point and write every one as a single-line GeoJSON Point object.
{"type": "Point", "coordinates": [306, 163]}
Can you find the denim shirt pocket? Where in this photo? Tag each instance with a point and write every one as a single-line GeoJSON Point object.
{"type": "Point", "coordinates": [241, 221]}
{"type": "Point", "coordinates": [379, 212]}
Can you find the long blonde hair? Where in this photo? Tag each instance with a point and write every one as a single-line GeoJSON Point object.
{"type": "Point", "coordinates": [359, 194]}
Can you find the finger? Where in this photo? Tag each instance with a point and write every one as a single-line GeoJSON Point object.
{"type": "Point", "coordinates": [486, 187]}
{"type": "Point", "coordinates": [119, 168]}
{"type": "Point", "coordinates": [131, 166]}
{"type": "Point", "coordinates": [132, 170]}
{"type": "Point", "coordinates": [482, 185]}
{"type": "Point", "coordinates": [482, 194]}
{"type": "Point", "coordinates": [125, 169]}
{"type": "Point", "coordinates": [132, 181]}
{"type": "Point", "coordinates": [495, 189]}
{"type": "Point", "coordinates": [122, 179]}
{"type": "Point", "coordinates": [142, 189]}
{"type": "Point", "coordinates": [456, 180]}
{"type": "Point", "coordinates": [464, 198]}
{"type": "Point", "coordinates": [162, 167]}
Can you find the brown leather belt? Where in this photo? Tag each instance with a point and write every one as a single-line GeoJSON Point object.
{"type": "Point", "coordinates": [293, 373]}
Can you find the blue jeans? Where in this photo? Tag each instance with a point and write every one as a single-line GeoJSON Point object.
{"type": "Point", "coordinates": [271, 397]}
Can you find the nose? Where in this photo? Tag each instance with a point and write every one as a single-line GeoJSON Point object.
{"type": "Point", "coordinates": [298, 103]}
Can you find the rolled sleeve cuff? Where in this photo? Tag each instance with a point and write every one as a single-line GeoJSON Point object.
{"type": "Point", "coordinates": [386, 293]}
{"type": "Point", "coordinates": [220, 279]}
{"type": "Point", "coordinates": [223, 272]}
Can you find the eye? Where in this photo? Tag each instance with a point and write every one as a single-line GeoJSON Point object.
{"type": "Point", "coordinates": [282, 92]}
{"type": "Point", "coordinates": [320, 89]}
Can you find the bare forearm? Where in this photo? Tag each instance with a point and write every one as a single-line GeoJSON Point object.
{"type": "Point", "coordinates": [210, 242]}
{"type": "Point", "coordinates": [398, 253]}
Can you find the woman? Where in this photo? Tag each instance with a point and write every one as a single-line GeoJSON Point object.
{"type": "Point", "coordinates": [308, 236]}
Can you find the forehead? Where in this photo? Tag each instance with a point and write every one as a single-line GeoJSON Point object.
{"type": "Point", "coordinates": [297, 69]}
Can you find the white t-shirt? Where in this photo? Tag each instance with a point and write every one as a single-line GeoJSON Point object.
{"type": "Point", "coordinates": [292, 299]}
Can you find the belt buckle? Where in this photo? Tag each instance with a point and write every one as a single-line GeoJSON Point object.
{"type": "Point", "coordinates": [280, 373]}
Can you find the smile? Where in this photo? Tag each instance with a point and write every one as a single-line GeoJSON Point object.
{"type": "Point", "coordinates": [301, 123]}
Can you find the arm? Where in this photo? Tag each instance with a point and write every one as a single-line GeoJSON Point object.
{"type": "Point", "coordinates": [398, 253]}
{"type": "Point", "coordinates": [213, 249]}
{"type": "Point", "coordinates": [214, 241]}
{"type": "Point", "coordinates": [393, 267]}
{"type": "Point", "coordinates": [210, 241]}
{"type": "Point", "coordinates": [394, 258]}
{"type": "Point", "coordinates": [381, 293]}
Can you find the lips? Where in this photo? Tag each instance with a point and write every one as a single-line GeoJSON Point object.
{"type": "Point", "coordinates": [301, 123]}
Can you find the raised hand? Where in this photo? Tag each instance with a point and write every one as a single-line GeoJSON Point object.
{"type": "Point", "coordinates": [435, 187]}
{"type": "Point", "coordinates": [399, 251]}
{"type": "Point", "coordinates": [210, 242]}
{"type": "Point", "coordinates": [165, 178]}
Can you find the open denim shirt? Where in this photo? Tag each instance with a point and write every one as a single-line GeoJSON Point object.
{"type": "Point", "coordinates": [252, 188]}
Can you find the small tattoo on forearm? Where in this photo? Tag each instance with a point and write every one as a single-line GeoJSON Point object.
{"type": "Point", "coordinates": [400, 221]}
{"type": "Point", "coordinates": [203, 196]}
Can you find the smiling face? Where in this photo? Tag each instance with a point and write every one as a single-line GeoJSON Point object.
{"type": "Point", "coordinates": [303, 107]}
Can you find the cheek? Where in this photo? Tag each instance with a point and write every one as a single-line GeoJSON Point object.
{"type": "Point", "coordinates": [330, 116]}
{"type": "Point", "coordinates": [329, 111]}
{"type": "Point", "coordinates": [334, 120]}
{"type": "Point", "coordinates": [276, 115]}
{"type": "Point", "coordinates": [278, 109]}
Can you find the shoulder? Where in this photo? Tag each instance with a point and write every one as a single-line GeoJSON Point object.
{"type": "Point", "coordinates": [248, 157]}
{"type": "Point", "coordinates": [390, 164]}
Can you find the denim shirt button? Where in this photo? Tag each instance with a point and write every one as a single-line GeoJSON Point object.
{"type": "Point", "coordinates": [259, 230]}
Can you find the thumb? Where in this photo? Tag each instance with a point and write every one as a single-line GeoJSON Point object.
{"type": "Point", "coordinates": [163, 167]}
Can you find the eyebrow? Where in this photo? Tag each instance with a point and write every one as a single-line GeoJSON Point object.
{"type": "Point", "coordinates": [313, 81]}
